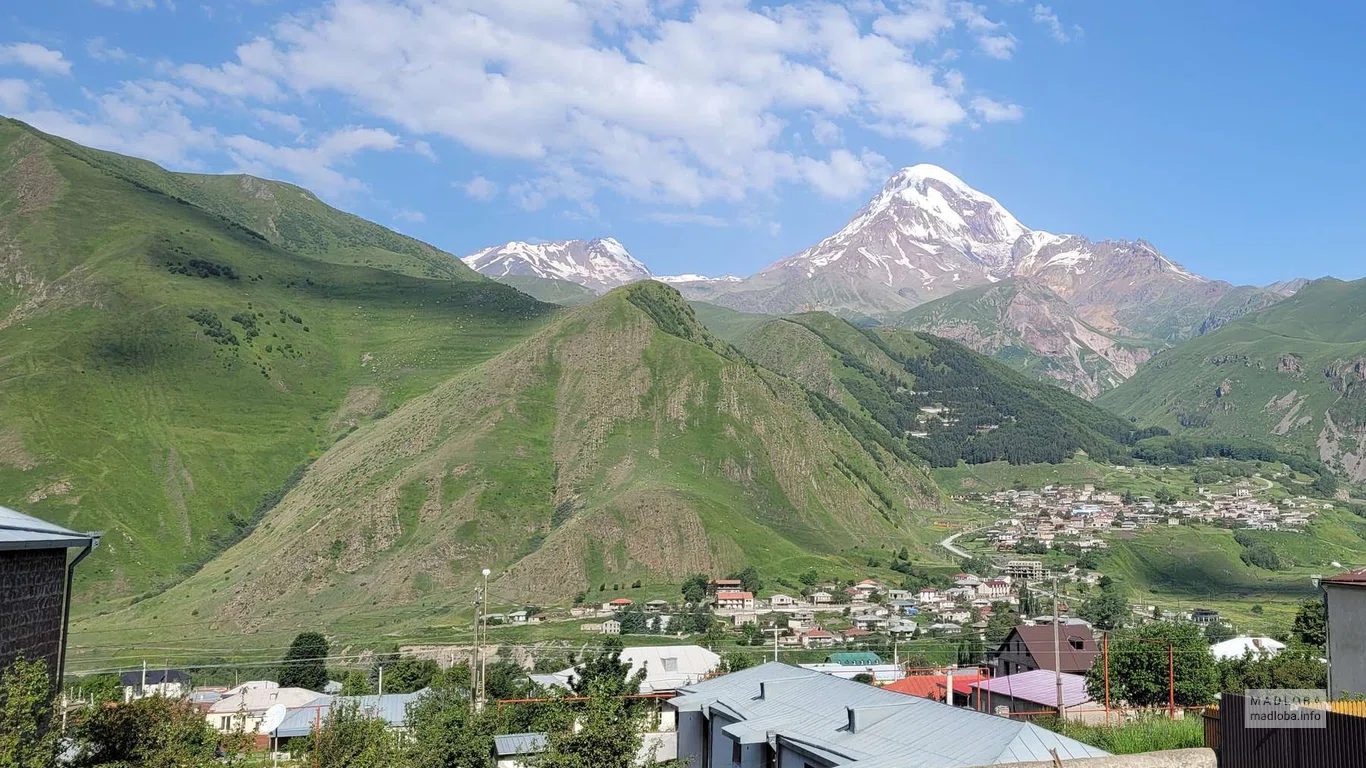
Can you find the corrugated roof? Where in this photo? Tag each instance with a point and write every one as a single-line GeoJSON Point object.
{"type": "Point", "coordinates": [520, 744]}
{"type": "Point", "coordinates": [21, 531]}
{"type": "Point", "coordinates": [391, 708]}
{"type": "Point", "coordinates": [1039, 686]}
{"type": "Point", "coordinates": [1353, 578]}
{"type": "Point", "coordinates": [900, 731]}
{"type": "Point", "coordinates": [860, 658]}
{"type": "Point", "coordinates": [667, 667]}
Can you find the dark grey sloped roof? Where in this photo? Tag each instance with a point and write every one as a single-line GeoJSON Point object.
{"type": "Point", "coordinates": [897, 731]}
{"type": "Point", "coordinates": [21, 531]}
{"type": "Point", "coordinates": [520, 744]}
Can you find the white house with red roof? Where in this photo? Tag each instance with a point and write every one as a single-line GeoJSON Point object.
{"type": "Point", "coordinates": [735, 601]}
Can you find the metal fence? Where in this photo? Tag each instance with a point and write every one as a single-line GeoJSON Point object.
{"type": "Point", "coordinates": [1340, 744]}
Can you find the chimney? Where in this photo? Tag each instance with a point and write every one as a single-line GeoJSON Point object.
{"type": "Point", "coordinates": [863, 717]}
{"type": "Point", "coordinates": [769, 688]}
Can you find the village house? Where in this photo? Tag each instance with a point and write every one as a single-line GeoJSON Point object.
{"type": "Point", "coordinates": [610, 627]}
{"type": "Point", "coordinates": [821, 598]}
{"type": "Point", "coordinates": [818, 638]}
{"type": "Point", "coordinates": [735, 601]}
{"type": "Point", "coordinates": [246, 705]}
{"type": "Point", "coordinates": [782, 601]}
{"type": "Point", "coordinates": [168, 683]}
{"type": "Point", "coordinates": [1028, 648]}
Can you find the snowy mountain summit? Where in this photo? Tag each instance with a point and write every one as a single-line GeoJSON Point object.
{"type": "Point", "coordinates": [928, 234]}
{"type": "Point", "coordinates": [600, 264]}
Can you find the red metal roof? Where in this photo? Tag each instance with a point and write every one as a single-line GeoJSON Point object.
{"type": "Point", "coordinates": [734, 595]}
{"type": "Point", "coordinates": [1354, 578]}
{"type": "Point", "coordinates": [924, 686]}
{"type": "Point", "coordinates": [621, 601]}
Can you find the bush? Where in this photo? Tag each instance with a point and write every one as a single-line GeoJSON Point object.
{"type": "Point", "coordinates": [1149, 734]}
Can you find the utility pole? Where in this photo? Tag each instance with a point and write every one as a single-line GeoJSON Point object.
{"type": "Point", "coordinates": [1057, 650]}
{"type": "Point", "coordinates": [474, 665]}
{"type": "Point", "coordinates": [483, 658]}
{"type": "Point", "coordinates": [381, 680]}
{"type": "Point", "coordinates": [143, 690]}
{"type": "Point", "coordinates": [776, 631]}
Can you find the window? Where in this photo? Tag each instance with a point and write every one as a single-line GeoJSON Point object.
{"type": "Point", "coordinates": [670, 664]}
{"type": "Point", "coordinates": [735, 752]}
{"type": "Point", "coordinates": [225, 722]}
{"type": "Point", "coordinates": [1076, 642]}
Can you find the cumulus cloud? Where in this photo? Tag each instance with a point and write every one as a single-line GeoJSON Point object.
{"type": "Point", "coordinates": [142, 118]}
{"type": "Point", "coordinates": [99, 49]}
{"type": "Point", "coordinates": [35, 57]}
{"type": "Point", "coordinates": [13, 95]}
{"type": "Point", "coordinates": [424, 150]}
{"type": "Point", "coordinates": [480, 188]}
{"type": "Point", "coordinates": [282, 120]}
{"type": "Point", "coordinates": [410, 216]}
{"type": "Point", "coordinates": [1049, 19]}
{"type": "Point", "coordinates": [996, 112]}
{"type": "Point", "coordinates": [661, 102]}
{"type": "Point", "coordinates": [316, 166]}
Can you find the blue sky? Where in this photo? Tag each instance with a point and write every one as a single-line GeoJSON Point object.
{"type": "Point", "coordinates": [719, 136]}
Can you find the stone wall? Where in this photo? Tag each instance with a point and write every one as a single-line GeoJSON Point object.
{"type": "Point", "coordinates": [32, 582]}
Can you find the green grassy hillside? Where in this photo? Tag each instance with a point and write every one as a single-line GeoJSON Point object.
{"type": "Point", "coordinates": [166, 370]}
{"type": "Point", "coordinates": [1291, 375]}
{"type": "Point", "coordinates": [937, 399]}
{"type": "Point", "coordinates": [623, 442]}
{"type": "Point", "coordinates": [550, 291]}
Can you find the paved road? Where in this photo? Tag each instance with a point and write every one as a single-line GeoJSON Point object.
{"type": "Point", "coordinates": [948, 543]}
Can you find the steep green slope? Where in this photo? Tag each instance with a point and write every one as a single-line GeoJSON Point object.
{"type": "Point", "coordinates": [282, 214]}
{"type": "Point", "coordinates": [1025, 325]}
{"type": "Point", "coordinates": [1291, 375]}
{"type": "Point", "coordinates": [164, 372]}
{"type": "Point", "coordinates": [623, 442]}
{"type": "Point", "coordinates": [550, 291]}
{"type": "Point", "coordinates": [938, 399]}
{"type": "Point", "coordinates": [725, 322]}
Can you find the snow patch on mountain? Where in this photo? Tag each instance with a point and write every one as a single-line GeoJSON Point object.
{"type": "Point", "coordinates": [692, 278]}
{"type": "Point", "coordinates": [600, 264]}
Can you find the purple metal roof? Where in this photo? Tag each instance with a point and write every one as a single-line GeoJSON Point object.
{"type": "Point", "coordinates": [1040, 687]}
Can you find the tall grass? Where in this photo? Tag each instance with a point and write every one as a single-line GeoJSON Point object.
{"type": "Point", "coordinates": [1148, 734]}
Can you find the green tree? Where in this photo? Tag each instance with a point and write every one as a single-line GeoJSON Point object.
{"type": "Point", "coordinates": [1311, 623]}
{"type": "Point", "coordinates": [809, 577]}
{"type": "Point", "coordinates": [305, 663]}
{"type": "Point", "coordinates": [1218, 632]}
{"type": "Point", "coordinates": [356, 683]}
{"type": "Point", "coordinates": [606, 733]}
{"type": "Point", "coordinates": [1107, 611]}
{"type": "Point", "coordinates": [1026, 600]}
{"type": "Point", "coordinates": [695, 588]}
{"type": "Point", "coordinates": [1325, 486]}
{"type": "Point", "coordinates": [409, 674]}
{"type": "Point", "coordinates": [749, 579]}
{"type": "Point", "coordinates": [350, 738]}
{"type": "Point", "coordinates": [606, 672]}
{"type": "Point", "coordinates": [99, 689]}
{"type": "Point", "coordinates": [445, 732]}
{"type": "Point", "coordinates": [26, 714]}
{"type": "Point", "coordinates": [1295, 667]}
{"type": "Point", "coordinates": [1139, 666]}
{"type": "Point", "coordinates": [735, 661]}
{"type": "Point", "coordinates": [153, 732]}
{"type": "Point", "coordinates": [998, 627]}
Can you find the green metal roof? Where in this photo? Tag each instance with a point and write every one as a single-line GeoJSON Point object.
{"type": "Point", "coordinates": [854, 659]}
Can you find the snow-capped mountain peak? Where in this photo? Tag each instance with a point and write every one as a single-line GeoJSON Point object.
{"type": "Point", "coordinates": [600, 264]}
{"type": "Point", "coordinates": [692, 278]}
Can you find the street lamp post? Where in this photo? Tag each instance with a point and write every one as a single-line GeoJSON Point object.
{"type": "Point", "coordinates": [483, 659]}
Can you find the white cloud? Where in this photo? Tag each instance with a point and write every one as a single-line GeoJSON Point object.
{"type": "Point", "coordinates": [774, 228]}
{"type": "Point", "coordinates": [480, 188]}
{"type": "Point", "coordinates": [920, 22]}
{"type": "Point", "coordinates": [424, 150]}
{"type": "Point", "coordinates": [35, 57]}
{"type": "Point", "coordinates": [410, 216]}
{"type": "Point", "coordinates": [282, 120]}
{"type": "Point", "coordinates": [314, 167]}
{"type": "Point", "coordinates": [133, 5]}
{"type": "Point", "coordinates": [1049, 19]}
{"type": "Point", "coordinates": [142, 118]}
{"type": "Point", "coordinates": [845, 174]}
{"type": "Point", "coordinates": [695, 219]}
{"type": "Point", "coordinates": [996, 112]}
{"type": "Point", "coordinates": [99, 49]}
{"type": "Point", "coordinates": [992, 39]}
{"type": "Point", "coordinates": [13, 96]}
{"type": "Point", "coordinates": [659, 101]}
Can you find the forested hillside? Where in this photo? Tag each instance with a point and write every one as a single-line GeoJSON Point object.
{"type": "Point", "coordinates": [936, 399]}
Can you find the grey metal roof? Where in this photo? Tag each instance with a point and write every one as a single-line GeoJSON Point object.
{"type": "Point", "coordinates": [391, 708]}
{"type": "Point", "coordinates": [21, 531]}
{"type": "Point", "coordinates": [520, 744]}
{"type": "Point", "coordinates": [811, 711]}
